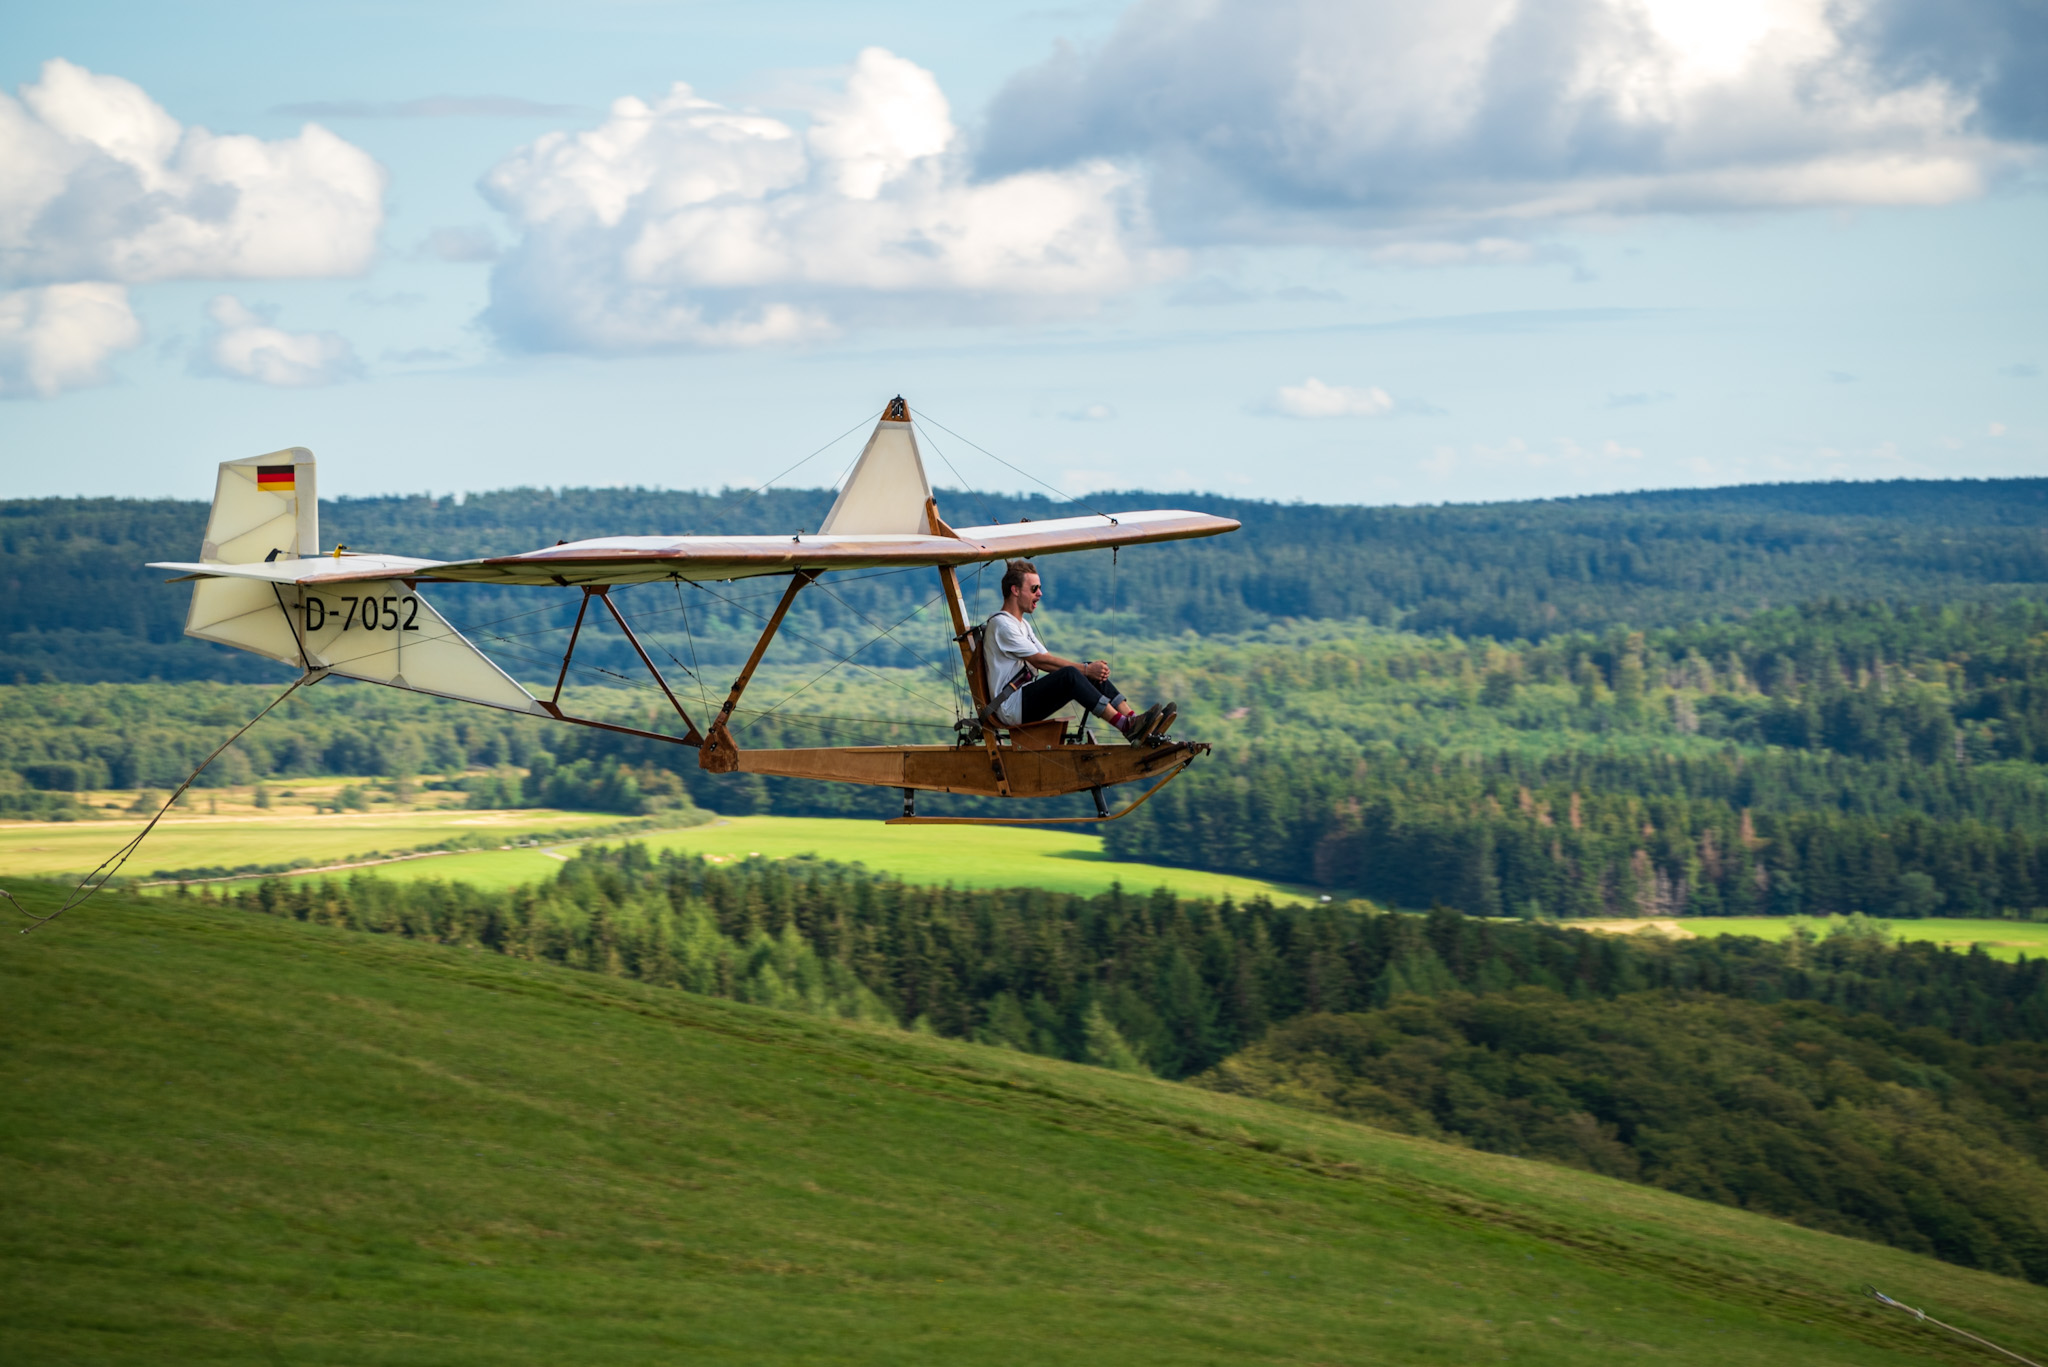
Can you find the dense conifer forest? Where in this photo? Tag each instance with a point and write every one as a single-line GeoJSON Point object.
{"type": "Point", "coordinates": [79, 606]}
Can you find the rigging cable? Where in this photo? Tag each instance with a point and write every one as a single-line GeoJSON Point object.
{"type": "Point", "coordinates": [986, 511]}
{"type": "Point", "coordinates": [819, 645]}
{"type": "Point", "coordinates": [111, 865]}
{"type": "Point", "coordinates": [805, 461]}
{"type": "Point", "coordinates": [703, 700]}
{"type": "Point", "coordinates": [1922, 1315]}
{"type": "Point", "coordinates": [1069, 498]}
{"type": "Point", "coordinates": [849, 660]}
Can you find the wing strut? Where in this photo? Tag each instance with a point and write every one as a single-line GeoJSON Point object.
{"type": "Point", "coordinates": [553, 706]}
{"type": "Point", "coordinates": [719, 754]}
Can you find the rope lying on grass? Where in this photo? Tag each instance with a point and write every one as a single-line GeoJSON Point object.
{"type": "Point", "coordinates": [1883, 1299]}
{"type": "Point", "coordinates": [111, 865]}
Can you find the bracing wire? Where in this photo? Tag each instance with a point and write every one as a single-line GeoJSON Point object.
{"type": "Point", "coordinates": [835, 655]}
{"type": "Point", "coordinates": [986, 511]}
{"type": "Point", "coordinates": [111, 865]}
{"type": "Point", "coordinates": [1063, 496]}
{"type": "Point", "coordinates": [943, 674]}
{"type": "Point", "coordinates": [850, 660]}
{"type": "Point", "coordinates": [752, 494]}
{"type": "Point", "coordinates": [703, 700]}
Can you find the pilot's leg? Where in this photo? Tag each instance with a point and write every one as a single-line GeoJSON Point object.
{"type": "Point", "coordinates": [1045, 696]}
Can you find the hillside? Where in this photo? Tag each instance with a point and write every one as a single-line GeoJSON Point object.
{"type": "Point", "coordinates": [79, 606]}
{"type": "Point", "coordinates": [237, 1138]}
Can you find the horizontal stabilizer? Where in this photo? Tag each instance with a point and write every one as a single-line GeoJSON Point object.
{"type": "Point", "coordinates": [384, 632]}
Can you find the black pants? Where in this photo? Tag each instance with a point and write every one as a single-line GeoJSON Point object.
{"type": "Point", "coordinates": [1048, 694]}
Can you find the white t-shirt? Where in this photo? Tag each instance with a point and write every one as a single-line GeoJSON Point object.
{"type": "Point", "coordinates": [1008, 642]}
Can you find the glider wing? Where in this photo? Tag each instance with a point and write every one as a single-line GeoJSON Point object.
{"type": "Point", "coordinates": [639, 559]}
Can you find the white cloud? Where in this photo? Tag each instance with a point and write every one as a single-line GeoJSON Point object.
{"type": "Point", "coordinates": [1996, 429]}
{"type": "Point", "coordinates": [1314, 399]}
{"type": "Point", "coordinates": [246, 346]}
{"type": "Point", "coordinates": [1094, 412]}
{"type": "Point", "coordinates": [686, 223]}
{"type": "Point", "coordinates": [1459, 126]}
{"type": "Point", "coordinates": [58, 337]}
{"type": "Point", "coordinates": [98, 182]}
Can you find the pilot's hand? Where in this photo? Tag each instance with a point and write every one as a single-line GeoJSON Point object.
{"type": "Point", "coordinates": [1097, 670]}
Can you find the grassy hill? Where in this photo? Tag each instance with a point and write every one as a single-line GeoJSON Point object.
{"type": "Point", "coordinates": [227, 1138]}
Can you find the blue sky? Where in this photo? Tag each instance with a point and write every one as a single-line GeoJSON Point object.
{"type": "Point", "coordinates": [1300, 249]}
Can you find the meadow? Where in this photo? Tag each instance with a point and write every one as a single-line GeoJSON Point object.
{"type": "Point", "coordinates": [963, 856]}
{"type": "Point", "coordinates": [234, 1138]}
{"type": "Point", "coordinates": [293, 832]}
{"type": "Point", "coordinates": [2008, 940]}
{"type": "Point", "coordinates": [197, 840]}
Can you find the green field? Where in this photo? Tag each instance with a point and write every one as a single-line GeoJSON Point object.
{"type": "Point", "coordinates": [2007, 940]}
{"type": "Point", "coordinates": [225, 1138]}
{"type": "Point", "coordinates": [965, 856]}
{"type": "Point", "coordinates": [47, 848]}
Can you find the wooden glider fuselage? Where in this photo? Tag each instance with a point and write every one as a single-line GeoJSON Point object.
{"type": "Point", "coordinates": [262, 585]}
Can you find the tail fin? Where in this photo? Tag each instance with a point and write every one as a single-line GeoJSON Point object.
{"type": "Point", "coordinates": [264, 508]}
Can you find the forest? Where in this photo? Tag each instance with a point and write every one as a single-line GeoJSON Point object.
{"type": "Point", "coordinates": [79, 606]}
{"type": "Point", "coordinates": [1890, 1091]}
{"type": "Point", "coordinates": [1831, 758]}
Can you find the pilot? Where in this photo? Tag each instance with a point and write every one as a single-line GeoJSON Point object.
{"type": "Point", "coordinates": [1027, 682]}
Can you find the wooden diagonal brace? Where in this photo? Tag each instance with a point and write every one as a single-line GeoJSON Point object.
{"type": "Point", "coordinates": [719, 754]}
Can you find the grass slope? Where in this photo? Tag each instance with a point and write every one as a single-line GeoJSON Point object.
{"type": "Point", "coordinates": [225, 1138]}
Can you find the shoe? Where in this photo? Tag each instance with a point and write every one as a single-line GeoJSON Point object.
{"type": "Point", "coordinates": [1141, 725]}
{"type": "Point", "coordinates": [1167, 712]}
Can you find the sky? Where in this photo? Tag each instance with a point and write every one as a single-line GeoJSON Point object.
{"type": "Point", "coordinates": [1327, 250]}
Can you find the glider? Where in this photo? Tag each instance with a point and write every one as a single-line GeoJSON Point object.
{"type": "Point", "coordinates": [263, 585]}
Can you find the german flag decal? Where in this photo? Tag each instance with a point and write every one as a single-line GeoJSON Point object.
{"type": "Point", "coordinates": [277, 479]}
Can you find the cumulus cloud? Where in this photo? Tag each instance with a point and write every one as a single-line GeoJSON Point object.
{"type": "Point", "coordinates": [1314, 399]}
{"type": "Point", "coordinates": [682, 222]}
{"type": "Point", "coordinates": [1473, 120]}
{"type": "Point", "coordinates": [58, 337]}
{"type": "Point", "coordinates": [245, 345]}
{"type": "Point", "coordinates": [98, 182]}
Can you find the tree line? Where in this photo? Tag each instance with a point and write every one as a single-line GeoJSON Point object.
{"type": "Point", "coordinates": [79, 606]}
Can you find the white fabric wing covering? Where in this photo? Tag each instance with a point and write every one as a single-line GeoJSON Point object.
{"type": "Point", "coordinates": [383, 632]}
{"type": "Point", "coordinates": [245, 614]}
